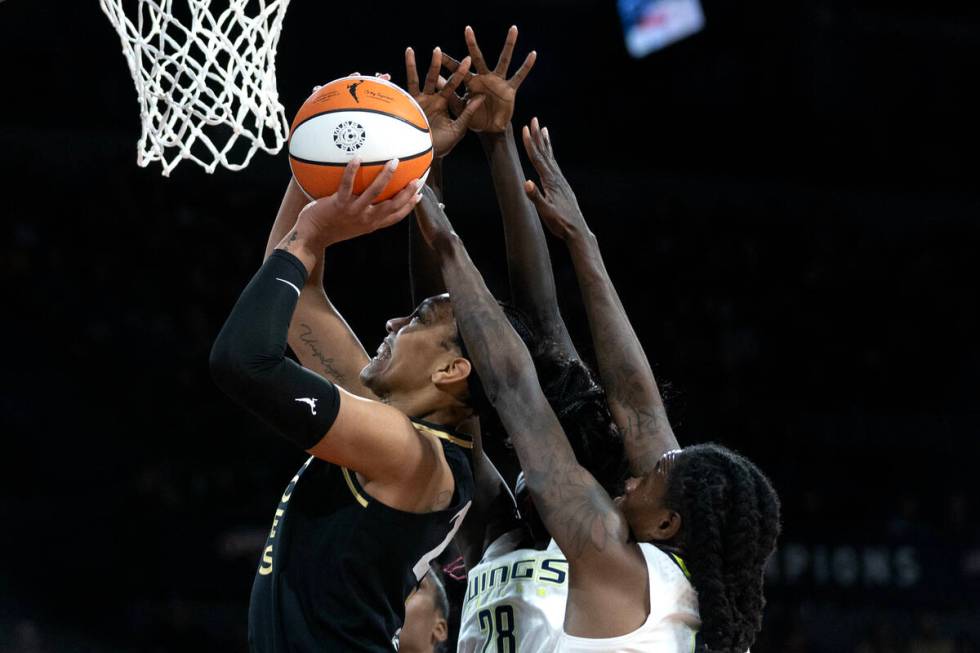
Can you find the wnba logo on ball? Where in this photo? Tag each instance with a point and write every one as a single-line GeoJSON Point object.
{"type": "Point", "coordinates": [349, 136]}
{"type": "Point", "coordinates": [352, 89]}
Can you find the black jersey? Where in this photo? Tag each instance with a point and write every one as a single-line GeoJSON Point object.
{"type": "Point", "coordinates": [338, 565]}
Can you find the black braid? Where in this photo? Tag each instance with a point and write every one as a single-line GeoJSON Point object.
{"type": "Point", "coordinates": [581, 407]}
{"type": "Point", "coordinates": [578, 401]}
{"type": "Point", "coordinates": [730, 520]}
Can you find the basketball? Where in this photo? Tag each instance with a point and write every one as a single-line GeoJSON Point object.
{"type": "Point", "coordinates": [366, 117]}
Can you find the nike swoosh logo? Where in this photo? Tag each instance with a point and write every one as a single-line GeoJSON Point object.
{"type": "Point", "coordinates": [291, 285]}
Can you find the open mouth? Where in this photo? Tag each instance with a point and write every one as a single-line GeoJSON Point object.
{"type": "Point", "coordinates": [384, 351]}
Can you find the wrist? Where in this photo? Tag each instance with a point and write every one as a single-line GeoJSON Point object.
{"type": "Point", "coordinates": [304, 247]}
{"type": "Point", "coordinates": [580, 240]}
{"type": "Point", "coordinates": [490, 140]}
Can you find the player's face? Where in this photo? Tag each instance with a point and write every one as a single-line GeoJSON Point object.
{"type": "Point", "coordinates": [424, 625]}
{"type": "Point", "coordinates": [643, 500]}
{"type": "Point", "coordinates": [416, 347]}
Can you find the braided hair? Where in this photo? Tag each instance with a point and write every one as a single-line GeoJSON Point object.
{"type": "Point", "coordinates": [577, 399]}
{"type": "Point", "coordinates": [580, 404]}
{"type": "Point", "coordinates": [730, 516]}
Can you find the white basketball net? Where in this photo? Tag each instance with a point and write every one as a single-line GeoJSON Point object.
{"type": "Point", "coordinates": [204, 83]}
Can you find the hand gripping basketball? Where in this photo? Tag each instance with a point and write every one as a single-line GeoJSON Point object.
{"type": "Point", "coordinates": [344, 215]}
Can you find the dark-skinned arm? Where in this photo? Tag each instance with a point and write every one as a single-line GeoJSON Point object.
{"type": "Point", "coordinates": [627, 377]}
{"type": "Point", "coordinates": [424, 274]}
{"type": "Point", "coordinates": [532, 283]}
{"type": "Point", "coordinates": [318, 334]}
{"type": "Point", "coordinates": [578, 513]}
{"type": "Point", "coordinates": [493, 510]}
{"type": "Point", "coordinates": [434, 96]}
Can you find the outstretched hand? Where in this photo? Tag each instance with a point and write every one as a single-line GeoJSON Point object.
{"type": "Point", "coordinates": [433, 223]}
{"type": "Point", "coordinates": [344, 215]}
{"type": "Point", "coordinates": [500, 93]}
{"type": "Point", "coordinates": [554, 200]}
{"type": "Point", "coordinates": [435, 98]}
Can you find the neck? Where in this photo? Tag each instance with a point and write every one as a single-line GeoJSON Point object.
{"type": "Point", "coordinates": [423, 407]}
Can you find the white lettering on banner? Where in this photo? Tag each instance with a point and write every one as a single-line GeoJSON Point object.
{"type": "Point", "coordinates": [845, 566]}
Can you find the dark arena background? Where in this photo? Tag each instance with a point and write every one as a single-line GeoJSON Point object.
{"type": "Point", "coordinates": [787, 202]}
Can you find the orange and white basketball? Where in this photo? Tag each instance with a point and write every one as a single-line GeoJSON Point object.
{"type": "Point", "coordinates": [366, 117]}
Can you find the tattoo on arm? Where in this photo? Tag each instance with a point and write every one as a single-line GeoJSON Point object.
{"type": "Point", "coordinates": [532, 281]}
{"type": "Point", "coordinates": [577, 511]}
{"type": "Point", "coordinates": [329, 370]}
{"type": "Point", "coordinates": [627, 377]}
{"type": "Point", "coordinates": [443, 499]}
{"type": "Point", "coordinates": [290, 242]}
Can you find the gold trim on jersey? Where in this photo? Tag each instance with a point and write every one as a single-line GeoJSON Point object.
{"type": "Point", "coordinates": [442, 435]}
{"type": "Point", "coordinates": [353, 487]}
{"type": "Point", "coordinates": [680, 563]}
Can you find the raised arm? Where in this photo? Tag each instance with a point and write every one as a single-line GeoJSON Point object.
{"type": "Point", "coordinates": [423, 269]}
{"type": "Point", "coordinates": [532, 283]}
{"type": "Point", "coordinates": [579, 514]}
{"type": "Point", "coordinates": [248, 360]}
{"type": "Point", "coordinates": [632, 392]}
{"type": "Point", "coordinates": [318, 333]}
{"type": "Point", "coordinates": [494, 510]}
{"type": "Point", "coordinates": [434, 96]}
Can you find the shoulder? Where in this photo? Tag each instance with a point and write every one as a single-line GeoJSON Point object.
{"type": "Point", "coordinates": [671, 591]}
{"type": "Point", "coordinates": [443, 432]}
{"type": "Point", "coordinates": [452, 446]}
{"type": "Point", "coordinates": [663, 564]}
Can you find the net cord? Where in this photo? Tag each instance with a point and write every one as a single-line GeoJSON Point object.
{"type": "Point", "coordinates": [194, 82]}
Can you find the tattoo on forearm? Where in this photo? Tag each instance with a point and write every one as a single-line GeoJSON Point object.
{"type": "Point", "coordinates": [576, 509]}
{"type": "Point", "coordinates": [331, 372]}
{"type": "Point", "coordinates": [631, 389]}
{"type": "Point", "coordinates": [579, 507]}
{"type": "Point", "coordinates": [292, 239]}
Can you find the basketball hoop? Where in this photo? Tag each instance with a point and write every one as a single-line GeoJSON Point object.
{"type": "Point", "coordinates": [205, 80]}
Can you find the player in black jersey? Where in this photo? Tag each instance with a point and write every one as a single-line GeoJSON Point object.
{"type": "Point", "coordinates": [388, 481]}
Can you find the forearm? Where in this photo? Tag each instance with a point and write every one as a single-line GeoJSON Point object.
{"type": "Point", "coordinates": [324, 342]}
{"type": "Point", "coordinates": [293, 201]}
{"type": "Point", "coordinates": [532, 281]}
{"type": "Point", "coordinates": [627, 377]}
{"type": "Point", "coordinates": [318, 333]}
{"type": "Point", "coordinates": [248, 359]}
{"type": "Point", "coordinates": [503, 364]}
{"type": "Point", "coordinates": [576, 510]}
{"type": "Point", "coordinates": [424, 273]}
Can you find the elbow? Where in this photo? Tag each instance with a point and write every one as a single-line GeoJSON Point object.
{"type": "Point", "coordinates": [239, 365]}
{"type": "Point", "coordinates": [233, 363]}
